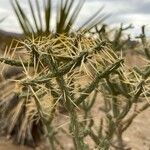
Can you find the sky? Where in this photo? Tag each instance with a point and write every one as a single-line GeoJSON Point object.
{"type": "Point", "coordinates": [136, 12]}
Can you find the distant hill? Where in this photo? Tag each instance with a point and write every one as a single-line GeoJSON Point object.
{"type": "Point", "coordinates": [7, 37]}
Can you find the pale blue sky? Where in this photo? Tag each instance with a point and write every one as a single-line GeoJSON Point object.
{"type": "Point", "coordinates": [136, 12]}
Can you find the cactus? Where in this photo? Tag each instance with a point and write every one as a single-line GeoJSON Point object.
{"type": "Point", "coordinates": [51, 76]}
{"type": "Point", "coordinates": [49, 80]}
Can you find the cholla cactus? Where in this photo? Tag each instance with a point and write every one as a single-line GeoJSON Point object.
{"type": "Point", "coordinates": [52, 74]}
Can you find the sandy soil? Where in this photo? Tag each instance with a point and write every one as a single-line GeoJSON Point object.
{"type": "Point", "coordinates": [136, 137]}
